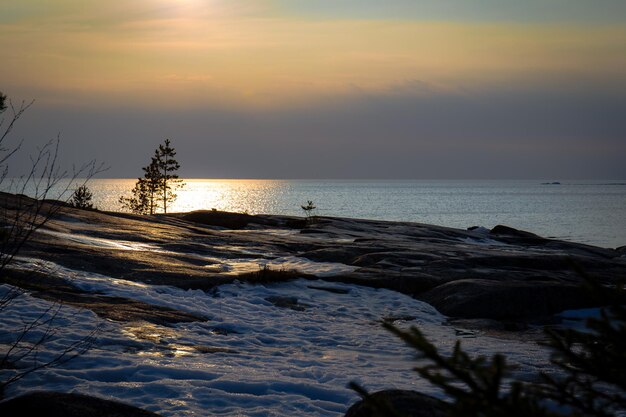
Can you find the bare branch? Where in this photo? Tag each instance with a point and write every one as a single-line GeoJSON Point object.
{"type": "Point", "coordinates": [39, 195]}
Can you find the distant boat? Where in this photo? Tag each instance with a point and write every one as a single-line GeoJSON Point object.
{"type": "Point", "coordinates": [551, 183]}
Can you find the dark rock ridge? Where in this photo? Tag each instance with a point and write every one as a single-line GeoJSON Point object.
{"type": "Point", "coordinates": [398, 402]}
{"type": "Point", "coordinates": [477, 298]}
{"type": "Point", "coordinates": [219, 218]}
{"type": "Point", "coordinates": [501, 273]}
{"type": "Point", "coordinates": [54, 404]}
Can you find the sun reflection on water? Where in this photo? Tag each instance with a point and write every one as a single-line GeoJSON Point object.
{"type": "Point", "coordinates": [241, 196]}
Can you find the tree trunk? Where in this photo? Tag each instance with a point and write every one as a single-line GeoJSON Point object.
{"type": "Point", "coordinates": [165, 185]}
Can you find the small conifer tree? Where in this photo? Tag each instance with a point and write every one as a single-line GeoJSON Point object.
{"type": "Point", "coordinates": [152, 184]}
{"type": "Point", "coordinates": [156, 189]}
{"type": "Point", "coordinates": [82, 198]}
{"type": "Point", "coordinates": [309, 209]}
{"type": "Point", "coordinates": [167, 166]}
{"type": "Point", "coordinates": [139, 201]}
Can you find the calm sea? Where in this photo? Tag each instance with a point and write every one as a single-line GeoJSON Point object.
{"type": "Point", "coordinates": [592, 212]}
{"type": "Point", "coordinates": [589, 211]}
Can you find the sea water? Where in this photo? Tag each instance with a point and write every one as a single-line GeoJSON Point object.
{"type": "Point", "coordinates": [592, 212]}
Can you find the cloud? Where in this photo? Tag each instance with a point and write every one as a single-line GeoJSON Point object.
{"type": "Point", "coordinates": [128, 53]}
{"type": "Point", "coordinates": [528, 11]}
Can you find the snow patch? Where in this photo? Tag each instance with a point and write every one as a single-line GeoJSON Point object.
{"type": "Point", "coordinates": [251, 357]}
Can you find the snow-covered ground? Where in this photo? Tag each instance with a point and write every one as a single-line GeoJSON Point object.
{"type": "Point", "coordinates": [250, 357]}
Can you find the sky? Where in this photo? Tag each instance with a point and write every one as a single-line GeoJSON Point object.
{"type": "Point", "coordinates": [406, 89]}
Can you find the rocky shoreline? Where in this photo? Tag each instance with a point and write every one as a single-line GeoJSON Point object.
{"type": "Point", "coordinates": [497, 280]}
{"type": "Point", "coordinates": [501, 274]}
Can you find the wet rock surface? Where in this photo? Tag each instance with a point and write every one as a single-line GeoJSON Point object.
{"type": "Point", "coordinates": [118, 309]}
{"type": "Point", "coordinates": [501, 273]}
